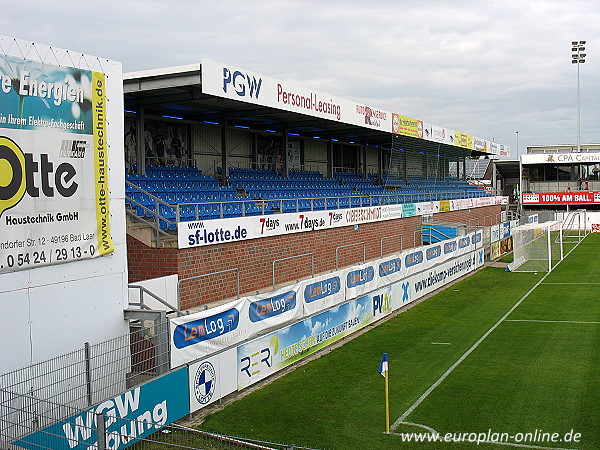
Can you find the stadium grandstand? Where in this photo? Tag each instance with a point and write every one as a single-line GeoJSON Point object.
{"type": "Point", "coordinates": [237, 207]}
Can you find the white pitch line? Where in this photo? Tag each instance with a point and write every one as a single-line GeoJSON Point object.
{"type": "Point", "coordinates": [567, 283]}
{"type": "Point", "coordinates": [441, 343]}
{"type": "Point", "coordinates": [468, 352]}
{"type": "Point", "coordinates": [511, 444]}
{"type": "Point", "coordinates": [552, 321]}
{"type": "Point", "coordinates": [425, 427]}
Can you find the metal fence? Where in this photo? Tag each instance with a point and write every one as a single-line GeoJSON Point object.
{"type": "Point", "coordinates": [39, 395]}
{"type": "Point", "coordinates": [30, 428]}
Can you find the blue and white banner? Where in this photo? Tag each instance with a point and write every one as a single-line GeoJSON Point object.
{"type": "Point", "coordinates": [130, 416]}
{"type": "Point", "coordinates": [207, 332]}
{"type": "Point", "coordinates": [217, 231]}
{"type": "Point", "coordinates": [322, 292]}
{"type": "Point", "coordinates": [204, 333]}
{"type": "Point", "coordinates": [270, 353]}
{"type": "Point", "coordinates": [212, 378]}
{"type": "Point", "coordinates": [423, 283]}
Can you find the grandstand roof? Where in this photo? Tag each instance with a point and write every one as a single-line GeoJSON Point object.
{"type": "Point", "coordinates": [176, 93]}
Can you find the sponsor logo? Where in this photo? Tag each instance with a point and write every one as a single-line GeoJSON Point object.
{"type": "Point", "coordinates": [359, 277]}
{"type": "Point", "coordinates": [242, 83]}
{"type": "Point", "coordinates": [202, 236]}
{"type": "Point", "coordinates": [434, 252]}
{"type": "Point", "coordinates": [191, 333]}
{"type": "Point", "coordinates": [73, 149]}
{"type": "Point", "coordinates": [390, 267]}
{"type": "Point", "coordinates": [373, 117]}
{"type": "Point", "coordinates": [412, 259]}
{"type": "Point", "coordinates": [20, 173]}
{"type": "Point", "coordinates": [273, 306]}
{"type": "Point", "coordinates": [321, 289]}
{"type": "Point", "coordinates": [261, 358]}
{"type": "Point", "coordinates": [464, 242]}
{"type": "Point", "coordinates": [268, 224]}
{"type": "Point", "coordinates": [335, 218]}
{"type": "Point", "coordinates": [405, 292]}
{"type": "Point", "coordinates": [205, 382]}
{"type": "Point", "coordinates": [381, 304]}
{"type": "Point", "coordinates": [450, 247]}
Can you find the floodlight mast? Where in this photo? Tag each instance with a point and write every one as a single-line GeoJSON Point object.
{"type": "Point", "coordinates": [577, 57]}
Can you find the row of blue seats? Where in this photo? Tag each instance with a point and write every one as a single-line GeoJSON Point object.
{"type": "Point", "coordinates": [178, 175]}
{"type": "Point", "coordinates": [161, 185]}
{"type": "Point", "coordinates": [175, 198]}
{"type": "Point", "coordinates": [239, 184]}
{"type": "Point", "coordinates": [319, 193]}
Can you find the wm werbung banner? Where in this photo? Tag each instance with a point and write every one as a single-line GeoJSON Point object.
{"type": "Point", "coordinates": [53, 165]}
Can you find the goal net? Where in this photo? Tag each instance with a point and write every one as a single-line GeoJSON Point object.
{"type": "Point", "coordinates": [537, 247]}
{"type": "Point", "coordinates": [574, 225]}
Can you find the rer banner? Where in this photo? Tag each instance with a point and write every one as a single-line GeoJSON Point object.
{"type": "Point", "coordinates": [53, 165]}
{"type": "Point", "coordinates": [270, 353]}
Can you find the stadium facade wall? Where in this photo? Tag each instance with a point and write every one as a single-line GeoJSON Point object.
{"type": "Point", "coordinates": [254, 258]}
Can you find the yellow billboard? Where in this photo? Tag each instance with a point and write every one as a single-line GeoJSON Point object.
{"type": "Point", "coordinates": [463, 140]}
{"type": "Point", "coordinates": [407, 126]}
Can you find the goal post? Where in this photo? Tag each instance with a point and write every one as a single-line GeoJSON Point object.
{"type": "Point", "coordinates": [537, 247]}
{"type": "Point", "coordinates": [574, 225]}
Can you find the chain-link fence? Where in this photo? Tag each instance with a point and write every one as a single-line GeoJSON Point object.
{"type": "Point", "coordinates": [37, 396]}
{"type": "Point", "coordinates": [25, 425]}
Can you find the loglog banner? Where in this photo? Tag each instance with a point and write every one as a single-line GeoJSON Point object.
{"type": "Point", "coordinates": [53, 165]}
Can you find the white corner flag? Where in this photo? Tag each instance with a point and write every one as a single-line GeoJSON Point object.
{"type": "Point", "coordinates": [383, 366]}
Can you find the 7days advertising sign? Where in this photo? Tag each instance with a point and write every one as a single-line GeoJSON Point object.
{"type": "Point", "coordinates": [53, 165]}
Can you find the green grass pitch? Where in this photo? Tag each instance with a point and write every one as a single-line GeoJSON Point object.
{"type": "Point", "coordinates": [533, 370]}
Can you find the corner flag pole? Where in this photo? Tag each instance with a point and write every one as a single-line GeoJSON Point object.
{"type": "Point", "coordinates": [383, 370]}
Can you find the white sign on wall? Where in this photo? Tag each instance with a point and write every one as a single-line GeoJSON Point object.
{"type": "Point", "coordinates": [54, 193]}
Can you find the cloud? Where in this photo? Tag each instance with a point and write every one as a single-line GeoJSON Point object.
{"type": "Point", "coordinates": [487, 68]}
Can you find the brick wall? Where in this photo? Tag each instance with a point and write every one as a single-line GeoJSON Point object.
{"type": "Point", "coordinates": [145, 262]}
{"type": "Point", "coordinates": [254, 258]}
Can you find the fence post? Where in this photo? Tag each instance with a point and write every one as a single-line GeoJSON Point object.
{"type": "Point", "coordinates": [101, 431]}
{"type": "Point", "coordinates": [88, 373]}
{"type": "Point", "coordinates": [161, 335]}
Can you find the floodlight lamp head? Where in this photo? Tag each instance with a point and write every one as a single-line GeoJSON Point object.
{"type": "Point", "coordinates": [574, 43]}
{"type": "Point", "coordinates": [582, 42]}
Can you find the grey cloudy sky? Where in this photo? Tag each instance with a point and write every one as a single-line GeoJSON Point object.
{"type": "Point", "coordinates": [487, 68]}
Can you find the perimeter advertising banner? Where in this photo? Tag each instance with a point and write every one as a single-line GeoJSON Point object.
{"type": "Point", "coordinates": [463, 140]}
{"type": "Point", "coordinates": [53, 165]}
{"type": "Point", "coordinates": [212, 379]}
{"type": "Point", "coordinates": [560, 158]}
{"type": "Point", "coordinates": [499, 149]}
{"type": "Point", "coordinates": [407, 126]}
{"type": "Point", "coordinates": [271, 353]}
{"type": "Point", "coordinates": [208, 332]}
{"type": "Point", "coordinates": [130, 416]}
{"type": "Point", "coordinates": [436, 133]}
{"type": "Point", "coordinates": [219, 231]}
{"type": "Point", "coordinates": [560, 197]}
{"type": "Point", "coordinates": [224, 80]}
